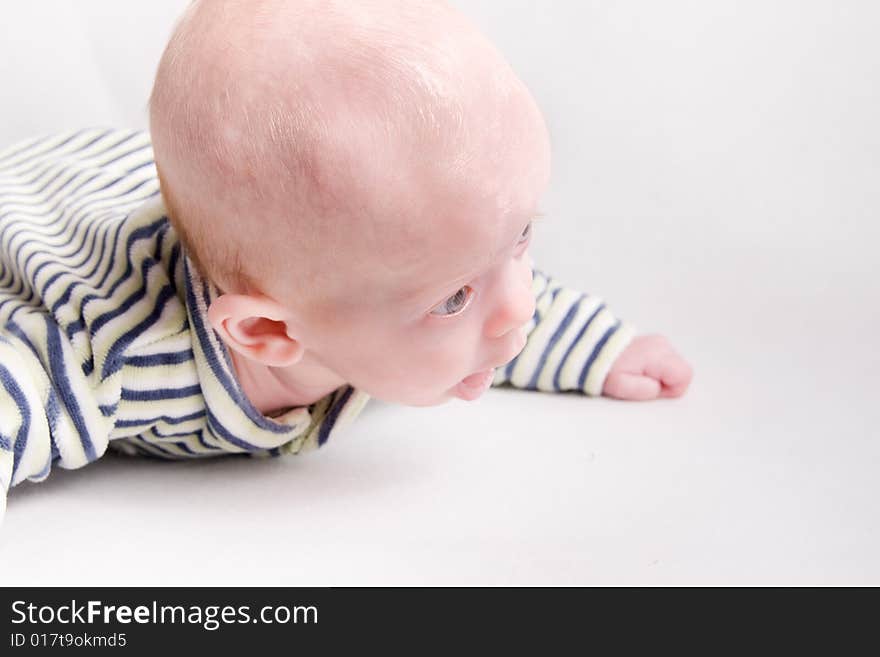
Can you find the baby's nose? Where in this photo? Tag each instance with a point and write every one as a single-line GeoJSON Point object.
{"type": "Point", "coordinates": [515, 308]}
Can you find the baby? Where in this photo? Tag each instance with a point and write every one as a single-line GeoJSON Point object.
{"type": "Point", "coordinates": [334, 202]}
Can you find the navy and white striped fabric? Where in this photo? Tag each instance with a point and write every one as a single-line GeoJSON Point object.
{"type": "Point", "coordinates": [573, 339]}
{"type": "Point", "coordinates": [103, 332]}
{"type": "Point", "coordinates": [104, 340]}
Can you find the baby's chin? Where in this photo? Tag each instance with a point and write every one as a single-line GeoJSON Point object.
{"type": "Point", "coordinates": [470, 388]}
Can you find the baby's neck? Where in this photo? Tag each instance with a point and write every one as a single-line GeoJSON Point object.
{"type": "Point", "coordinates": [274, 388]}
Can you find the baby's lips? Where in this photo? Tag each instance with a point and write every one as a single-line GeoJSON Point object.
{"type": "Point", "coordinates": [471, 387]}
{"type": "Point", "coordinates": [478, 379]}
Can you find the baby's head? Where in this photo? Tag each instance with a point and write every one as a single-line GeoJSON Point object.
{"type": "Point", "coordinates": [358, 179]}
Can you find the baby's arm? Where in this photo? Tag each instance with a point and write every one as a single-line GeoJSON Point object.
{"type": "Point", "coordinates": [576, 343]}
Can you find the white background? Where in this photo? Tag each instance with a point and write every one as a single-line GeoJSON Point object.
{"type": "Point", "coordinates": [716, 179]}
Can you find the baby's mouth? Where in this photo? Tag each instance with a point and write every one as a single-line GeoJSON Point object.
{"type": "Point", "coordinates": [473, 386]}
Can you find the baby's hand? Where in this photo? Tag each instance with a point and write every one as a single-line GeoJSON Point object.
{"type": "Point", "coordinates": [647, 369]}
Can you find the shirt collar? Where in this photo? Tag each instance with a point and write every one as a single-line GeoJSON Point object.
{"type": "Point", "coordinates": [231, 416]}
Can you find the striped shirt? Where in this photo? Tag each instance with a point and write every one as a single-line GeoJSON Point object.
{"type": "Point", "coordinates": [104, 338]}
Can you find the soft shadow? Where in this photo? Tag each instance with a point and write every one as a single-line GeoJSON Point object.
{"type": "Point", "coordinates": [332, 475]}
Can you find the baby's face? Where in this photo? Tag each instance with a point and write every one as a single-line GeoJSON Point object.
{"type": "Point", "coordinates": [440, 331]}
{"type": "Point", "coordinates": [437, 298]}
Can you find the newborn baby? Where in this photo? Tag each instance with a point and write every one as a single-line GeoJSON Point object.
{"type": "Point", "coordinates": [346, 206]}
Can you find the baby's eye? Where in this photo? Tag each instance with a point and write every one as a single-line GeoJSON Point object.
{"type": "Point", "coordinates": [454, 304]}
{"type": "Point", "coordinates": [526, 234]}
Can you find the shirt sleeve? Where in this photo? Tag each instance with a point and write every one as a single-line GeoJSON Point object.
{"type": "Point", "coordinates": [573, 340]}
{"type": "Point", "coordinates": [48, 412]}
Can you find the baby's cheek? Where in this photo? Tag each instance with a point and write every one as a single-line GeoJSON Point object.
{"type": "Point", "coordinates": [448, 365]}
{"type": "Point", "coordinates": [427, 359]}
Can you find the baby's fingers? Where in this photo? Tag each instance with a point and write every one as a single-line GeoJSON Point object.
{"type": "Point", "coordinates": [674, 374]}
{"type": "Point", "coordinates": [631, 387]}
{"type": "Point", "coordinates": [675, 390]}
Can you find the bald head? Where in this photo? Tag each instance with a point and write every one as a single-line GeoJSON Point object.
{"type": "Point", "coordinates": [283, 127]}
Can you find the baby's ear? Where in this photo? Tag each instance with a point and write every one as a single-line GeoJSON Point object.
{"type": "Point", "coordinates": [256, 327]}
